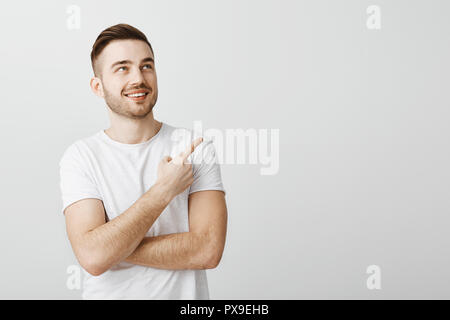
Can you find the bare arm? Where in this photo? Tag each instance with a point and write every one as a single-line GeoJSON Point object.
{"type": "Point", "coordinates": [99, 245]}
{"type": "Point", "coordinates": [200, 248]}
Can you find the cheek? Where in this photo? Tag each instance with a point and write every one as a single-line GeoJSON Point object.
{"type": "Point", "coordinates": [114, 88]}
{"type": "Point", "coordinates": [151, 78]}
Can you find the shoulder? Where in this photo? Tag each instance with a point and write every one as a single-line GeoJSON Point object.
{"type": "Point", "coordinates": [183, 136]}
{"type": "Point", "coordinates": [180, 138]}
{"type": "Point", "coordinates": [77, 149]}
{"type": "Point", "coordinates": [178, 134]}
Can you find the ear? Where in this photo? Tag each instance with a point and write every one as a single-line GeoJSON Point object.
{"type": "Point", "coordinates": [97, 87]}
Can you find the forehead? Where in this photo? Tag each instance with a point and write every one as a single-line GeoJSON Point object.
{"type": "Point", "coordinates": [118, 50]}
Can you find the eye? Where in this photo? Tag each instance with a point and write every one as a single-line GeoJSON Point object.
{"type": "Point", "coordinates": [147, 66]}
{"type": "Point", "coordinates": [122, 69]}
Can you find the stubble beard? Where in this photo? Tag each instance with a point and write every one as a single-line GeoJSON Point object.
{"type": "Point", "coordinates": [127, 109]}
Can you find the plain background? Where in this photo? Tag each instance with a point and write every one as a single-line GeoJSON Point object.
{"type": "Point", "coordinates": [364, 137]}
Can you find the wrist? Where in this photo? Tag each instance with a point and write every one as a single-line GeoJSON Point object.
{"type": "Point", "coordinates": [160, 191]}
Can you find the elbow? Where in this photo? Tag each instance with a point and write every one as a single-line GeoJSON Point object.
{"type": "Point", "coordinates": [93, 265]}
{"type": "Point", "coordinates": [94, 270]}
{"type": "Point", "coordinates": [212, 264]}
{"type": "Point", "coordinates": [214, 258]}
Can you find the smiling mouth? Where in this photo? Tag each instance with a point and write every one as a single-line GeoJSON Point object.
{"type": "Point", "coordinates": [137, 95]}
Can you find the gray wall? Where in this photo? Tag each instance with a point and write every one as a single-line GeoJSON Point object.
{"type": "Point", "coordinates": [363, 147]}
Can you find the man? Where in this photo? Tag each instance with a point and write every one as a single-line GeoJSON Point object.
{"type": "Point", "coordinates": [145, 213]}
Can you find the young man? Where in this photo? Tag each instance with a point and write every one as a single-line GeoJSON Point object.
{"type": "Point", "coordinates": [145, 213]}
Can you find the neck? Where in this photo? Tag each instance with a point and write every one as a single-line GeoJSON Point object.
{"type": "Point", "coordinates": [132, 131]}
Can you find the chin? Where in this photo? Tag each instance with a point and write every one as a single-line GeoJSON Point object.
{"type": "Point", "coordinates": [142, 113]}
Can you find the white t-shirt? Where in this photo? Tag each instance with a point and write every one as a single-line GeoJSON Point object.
{"type": "Point", "coordinates": [118, 174]}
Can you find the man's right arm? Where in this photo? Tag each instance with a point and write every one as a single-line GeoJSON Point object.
{"type": "Point", "coordinates": [99, 245]}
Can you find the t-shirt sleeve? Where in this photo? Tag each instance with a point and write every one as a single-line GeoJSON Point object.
{"type": "Point", "coordinates": [75, 182]}
{"type": "Point", "coordinates": [206, 168]}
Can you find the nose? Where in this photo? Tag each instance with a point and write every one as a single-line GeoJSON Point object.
{"type": "Point", "coordinates": [136, 77]}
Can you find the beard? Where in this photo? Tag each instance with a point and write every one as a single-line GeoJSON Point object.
{"type": "Point", "coordinates": [130, 109]}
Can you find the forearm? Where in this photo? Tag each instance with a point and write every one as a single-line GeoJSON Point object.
{"type": "Point", "coordinates": [176, 251]}
{"type": "Point", "coordinates": [115, 240]}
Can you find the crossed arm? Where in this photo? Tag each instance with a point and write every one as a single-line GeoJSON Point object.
{"type": "Point", "coordinates": [200, 248]}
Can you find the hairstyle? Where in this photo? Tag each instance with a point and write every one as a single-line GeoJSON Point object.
{"type": "Point", "coordinates": [120, 31]}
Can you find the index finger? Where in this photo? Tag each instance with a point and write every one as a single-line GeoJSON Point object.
{"type": "Point", "coordinates": [191, 147]}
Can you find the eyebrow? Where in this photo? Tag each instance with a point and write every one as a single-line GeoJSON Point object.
{"type": "Point", "coordinates": [148, 59]}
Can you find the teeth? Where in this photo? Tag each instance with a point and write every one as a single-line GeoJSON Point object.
{"type": "Point", "coordinates": [134, 95]}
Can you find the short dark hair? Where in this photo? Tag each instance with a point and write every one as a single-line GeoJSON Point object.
{"type": "Point", "coordinates": [120, 31]}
